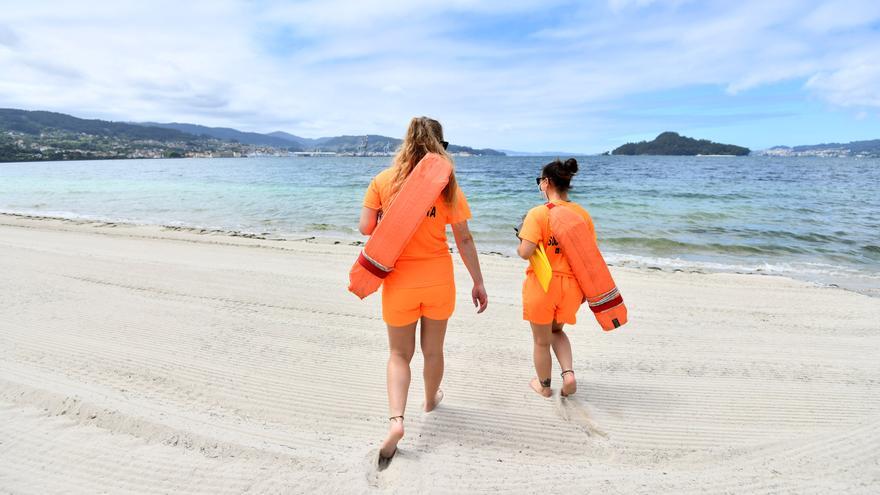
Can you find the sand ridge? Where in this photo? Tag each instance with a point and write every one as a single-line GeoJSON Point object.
{"type": "Point", "coordinates": [137, 359]}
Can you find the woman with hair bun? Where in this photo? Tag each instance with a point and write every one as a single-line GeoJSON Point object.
{"type": "Point", "coordinates": [548, 311]}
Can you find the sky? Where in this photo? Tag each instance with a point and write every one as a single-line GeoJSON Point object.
{"type": "Point", "coordinates": [546, 75]}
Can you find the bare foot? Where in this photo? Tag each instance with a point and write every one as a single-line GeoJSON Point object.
{"type": "Point", "coordinates": [545, 392]}
{"type": "Point", "coordinates": [569, 384]}
{"type": "Point", "coordinates": [438, 397]}
{"type": "Point", "coordinates": [395, 433]}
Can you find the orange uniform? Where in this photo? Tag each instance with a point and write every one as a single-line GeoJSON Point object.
{"type": "Point", "coordinates": [564, 297]}
{"type": "Point", "coordinates": [422, 282]}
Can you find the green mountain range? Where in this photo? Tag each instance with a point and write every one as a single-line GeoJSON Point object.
{"type": "Point", "coordinates": [671, 143]}
{"type": "Point", "coordinates": [37, 122]}
{"type": "Point", "coordinates": [869, 148]}
{"type": "Point", "coordinates": [370, 143]}
{"type": "Point", "coordinates": [228, 134]}
{"type": "Point", "coordinates": [38, 135]}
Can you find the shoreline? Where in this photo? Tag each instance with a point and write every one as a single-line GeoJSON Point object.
{"type": "Point", "coordinates": [317, 239]}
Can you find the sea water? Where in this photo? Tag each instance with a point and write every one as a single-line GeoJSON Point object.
{"type": "Point", "coordinates": [815, 219]}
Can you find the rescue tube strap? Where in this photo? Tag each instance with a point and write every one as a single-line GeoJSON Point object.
{"type": "Point", "coordinates": [603, 298]}
{"type": "Point", "coordinates": [617, 301]}
{"type": "Point", "coordinates": [372, 266]}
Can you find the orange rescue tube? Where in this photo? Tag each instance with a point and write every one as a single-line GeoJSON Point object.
{"type": "Point", "coordinates": [578, 242]}
{"type": "Point", "coordinates": [399, 222]}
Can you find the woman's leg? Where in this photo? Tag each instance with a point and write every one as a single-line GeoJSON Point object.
{"type": "Point", "coordinates": [433, 334]}
{"type": "Point", "coordinates": [541, 334]}
{"type": "Point", "coordinates": [402, 343]}
{"type": "Point", "coordinates": [562, 349]}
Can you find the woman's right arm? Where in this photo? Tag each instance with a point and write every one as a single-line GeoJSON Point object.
{"type": "Point", "coordinates": [464, 240]}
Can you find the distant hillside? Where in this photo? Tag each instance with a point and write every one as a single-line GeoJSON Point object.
{"type": "Point", "coordinates": [228, 134]}
{"type": "Point", "coordinates": [37, 122]}
{"type": "Point", "coordinates": [370, 143]}
{"type": "Point", "coordinates": [37, 135]}
{"type": "Point", "coordinates": [475, 151]}
{"type": "Point", "coordinates": [869, 148]}
{"type": "Point", "coordinates": [855, 147]}
{"type": "Point", "coordinates": [553, 154]}
{"type": "Point", "coordinates": [304, 142]}
{"type": "Point", "coordinates": [671, 143]}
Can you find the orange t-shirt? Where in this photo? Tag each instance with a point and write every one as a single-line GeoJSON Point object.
{"type": "Point", "coordinates": [536, 228]}
{"type": "Point", "coordinates": [425, 261]}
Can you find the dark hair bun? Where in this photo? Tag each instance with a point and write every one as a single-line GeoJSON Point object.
{"type": "Point", "coordinates": [560, 173]}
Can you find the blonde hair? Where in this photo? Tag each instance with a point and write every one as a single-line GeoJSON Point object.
{"type": "Point", "coordinates": [423, 136]}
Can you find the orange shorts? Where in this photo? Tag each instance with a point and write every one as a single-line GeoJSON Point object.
{"type": "Point", "coordinates": [560, 303]}
{"type": "Point", "coordinates": [402, 306]}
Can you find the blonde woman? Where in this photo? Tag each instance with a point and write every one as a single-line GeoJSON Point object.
{"type": "Point", "coordinates": [421, 288]}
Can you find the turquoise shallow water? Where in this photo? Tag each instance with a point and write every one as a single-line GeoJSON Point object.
{"type": "Point", "coordinates": [815, 219]}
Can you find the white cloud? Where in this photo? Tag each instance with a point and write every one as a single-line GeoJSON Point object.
{"type": "Point", "coordinates": [837, 15]}
{"type": "Point", "coordinates": [618, 5]}
{"type": "Point", "coordinates": [8, 37]}
{"type": "Point", "coordinates": [855, 83]}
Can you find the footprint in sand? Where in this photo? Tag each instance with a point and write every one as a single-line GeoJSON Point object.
{"type": "Point", "coordinates": [576, 411]}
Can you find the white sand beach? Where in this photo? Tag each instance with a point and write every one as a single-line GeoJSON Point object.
{"type": "Point", "coordinates": [139, 359]}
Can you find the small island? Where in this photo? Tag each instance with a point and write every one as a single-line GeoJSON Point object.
{"type": "Point", "coordinates": [671, 143]}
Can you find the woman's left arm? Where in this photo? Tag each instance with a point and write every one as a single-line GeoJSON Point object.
{"type": "Point", "coordinates": [526, 249]}
{"type": "Point", "coordinates": [369, 219]}
{"type": "Point", "coordinates": [464, 240]}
